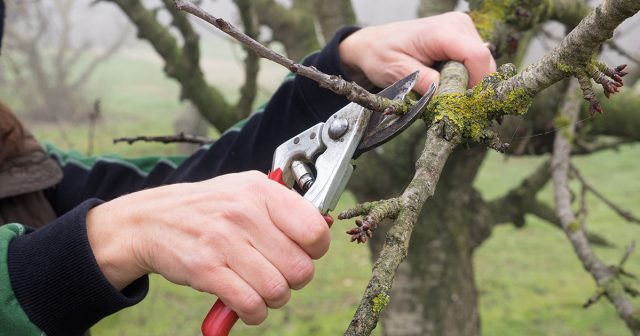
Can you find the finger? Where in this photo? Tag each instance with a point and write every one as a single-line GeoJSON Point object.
{"type": "Point", "coordinates": [292, 262]}
{"type": "Point", "coordinates": [236, 294]}
{"type": "Point", "coordinates": [405, 65]}
{"type": "Point", "coordinates": [298, 219]}
{"type": "Point", "coordinates": [261, 275]}
{"type": "Point", "coordinates": [426, 77]}
{"type": "Point", "coordinates": [471, 51]}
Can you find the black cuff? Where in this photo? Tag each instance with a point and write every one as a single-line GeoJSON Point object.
{"type": "Point", "coordinates": [57, 281]}
{"type": "Point", "coordinates": [325, 102]}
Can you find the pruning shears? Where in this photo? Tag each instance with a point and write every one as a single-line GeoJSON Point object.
{"type": "Point", "coordinates": [318, 162]}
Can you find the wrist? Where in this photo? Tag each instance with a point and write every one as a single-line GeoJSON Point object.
{"type": "Point", "coordinates": [110, 236]}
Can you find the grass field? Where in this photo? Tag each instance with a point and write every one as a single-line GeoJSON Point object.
{"type": "Point", "coordinates": [529, 279]}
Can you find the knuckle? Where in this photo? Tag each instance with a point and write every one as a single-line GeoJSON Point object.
{"type": "Point", "coordinates": [276, 291]}
{"type": "Point", "coordinates": [315, 231]}
{"type": "Point", "coordinates": [251, 304]}
{"type": "Point", "coordinates": [301, 273]}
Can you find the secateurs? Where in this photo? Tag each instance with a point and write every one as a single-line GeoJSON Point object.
{"type": "Point", "coordinates": [318, 161]}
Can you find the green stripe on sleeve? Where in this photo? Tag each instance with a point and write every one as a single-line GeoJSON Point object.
{"type": "Point", "coordinates": [13, 320]}
{"type": "Point", "coordinates": [141, 164]}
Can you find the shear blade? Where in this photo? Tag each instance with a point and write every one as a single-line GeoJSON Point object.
{"type": "Point", "coordinates": [381, 128]}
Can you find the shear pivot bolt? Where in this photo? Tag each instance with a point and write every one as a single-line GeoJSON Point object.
{"type": "Point", "coordinates": [338, 128]}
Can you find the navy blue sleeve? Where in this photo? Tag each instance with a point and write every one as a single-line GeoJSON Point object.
{"type": "Point", "coordinates": [298, 104]}
{"type": "Point", "coordinates": [53, 272]}
{"type": "Point", "coordinates": [57, 281]}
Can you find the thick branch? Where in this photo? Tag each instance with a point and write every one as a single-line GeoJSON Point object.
{"type": "Point", "coordinates": [604, 276]}
{"type": "Point", "coordinates": [514, 205]}
{"type": "Point", "coordinates": [352, 91]}
{"type": "Point", "coordinates": [428, 169]}
{"type": "Point", "coordinates": [575, 51]}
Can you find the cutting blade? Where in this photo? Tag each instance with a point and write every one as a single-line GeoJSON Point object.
{"type": "Point", "coordinates": [382, 128]}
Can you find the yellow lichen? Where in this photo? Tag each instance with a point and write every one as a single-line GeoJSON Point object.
{"type": "Point", "coordinates": [474, 111]}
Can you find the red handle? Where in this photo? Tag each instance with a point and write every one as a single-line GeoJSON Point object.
{"type": "Point", "coordinates": [220, 318]}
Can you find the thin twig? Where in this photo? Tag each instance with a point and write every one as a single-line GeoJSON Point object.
{"type": "Point", "coordinates": [352, 91]}
{"type": "Point", "coordinates": [94, 116]}
{"type": "Point", "coordinates": [582, 148]}
{"type": "Point", "coordinates": [627, 215]}
{"type": "Point", "coordinates": [627, 253]}
{"type": "Point", "coordinates": [179, 138]}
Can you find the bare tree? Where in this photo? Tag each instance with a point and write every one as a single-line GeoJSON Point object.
{"type": "Point", "coordinates": [41, 64]}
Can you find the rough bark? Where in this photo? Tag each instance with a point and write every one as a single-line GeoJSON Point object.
{"type": "Point", "coordinates": [428, 170]}
{"type": "Point", "coordinates": [575, 51]}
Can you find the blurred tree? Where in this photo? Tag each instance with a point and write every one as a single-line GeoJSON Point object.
{"type": "Point", "coordinates": [40, 61]}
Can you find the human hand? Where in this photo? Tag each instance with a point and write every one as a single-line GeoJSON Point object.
{"type": "Point", "coordinates": [242, 237]}
{"type": "Point", "coordinates": [387, 53]}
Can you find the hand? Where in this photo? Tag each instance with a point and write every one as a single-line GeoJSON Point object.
{"type": "Point", "coordinates": [387, 53]}
{"type": "Point", "coordinates": [242, 237]}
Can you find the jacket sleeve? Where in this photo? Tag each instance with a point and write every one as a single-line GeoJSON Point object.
{"type": "Point", "coordinates": [298, 104]}
{"type": "Point", "coordinates": [13, 319]}
{"type": "Point", "coordinates": [52, 271]}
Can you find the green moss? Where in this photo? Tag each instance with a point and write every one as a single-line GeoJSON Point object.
{"type": "Point", "coordinates": [380, 302]}
{"type": "Point", "coordinates": [472, 112]}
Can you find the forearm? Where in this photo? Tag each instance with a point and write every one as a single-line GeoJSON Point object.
{"type": "Point", "coordinates": [57, 281]}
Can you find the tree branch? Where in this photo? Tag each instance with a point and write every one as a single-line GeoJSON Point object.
{"type": "Point", "coordinates": [249, 89]}
{"type": "Point", "coordinates": [352, 91]}
{"type": "Point", "coordinates": [627, 215]}
{"type": "Point", "coordinates": [165, 139]}
{"type": "Point", "coordinates": [575, 51]}
{"type": "Point", "coordinates": [181, 63]}
{"type": "Point", "coordinates": [604, 276]}
{"type": "Point", "coordinates": [429, 166]}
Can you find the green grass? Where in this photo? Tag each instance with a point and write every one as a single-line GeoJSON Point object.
{"type": "Point", "coordinates": [529, 280]}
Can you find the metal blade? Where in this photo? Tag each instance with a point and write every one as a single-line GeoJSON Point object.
{"type": "Point", "coordinates": [384, 128]}
{"type": "Point", "coordinates": [395, 91]}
